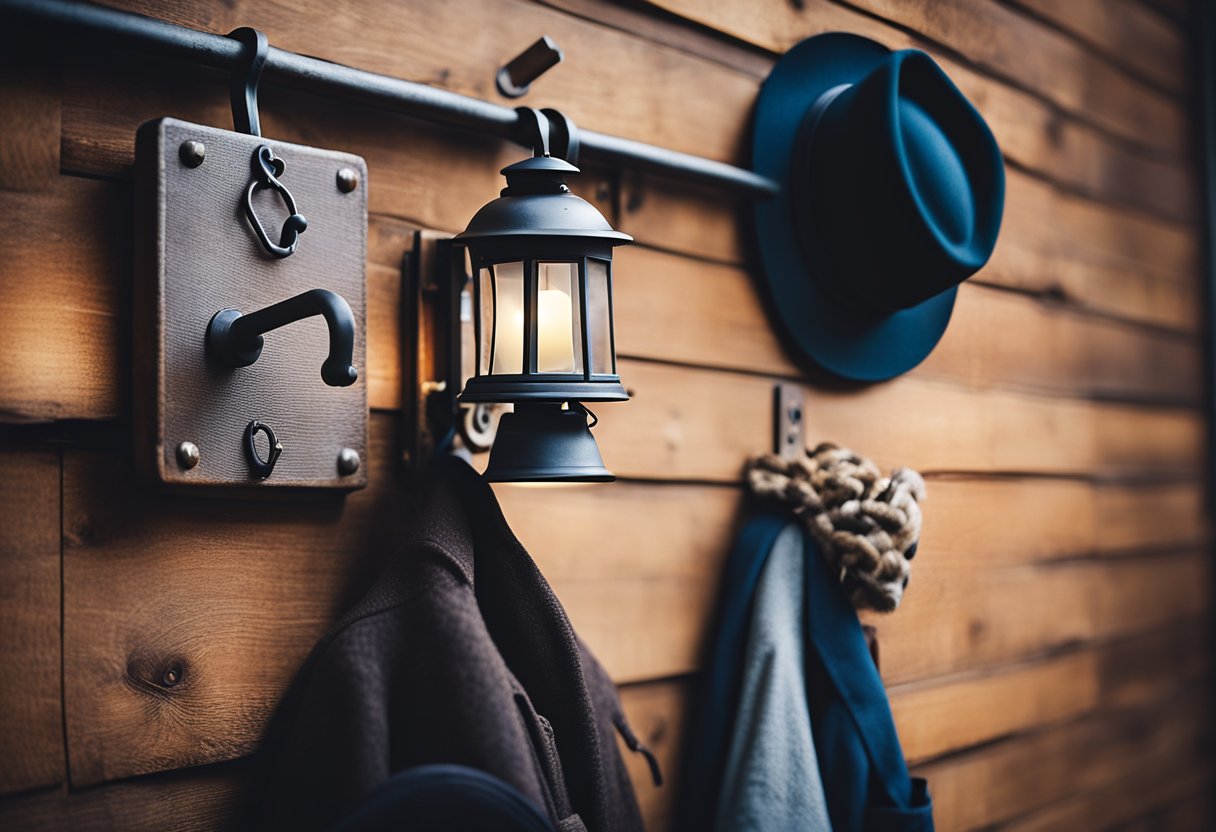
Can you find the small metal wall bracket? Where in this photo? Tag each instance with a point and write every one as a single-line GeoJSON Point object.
{"type": "Point", "coordinates": [515, 77]}
{"type": "Point", "coordinates": [433, 282]}
{"type": "Point", "coordinates": [789, 421]}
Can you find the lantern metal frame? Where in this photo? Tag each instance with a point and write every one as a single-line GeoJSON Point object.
{"type": "Point", "coordinates": [536, 221]}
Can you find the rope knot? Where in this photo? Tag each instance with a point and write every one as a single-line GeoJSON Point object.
{"type": "Point", "coordinates": [866, 524]}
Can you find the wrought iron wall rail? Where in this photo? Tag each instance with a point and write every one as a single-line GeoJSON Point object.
{"type": "Point", "coordinates": [139, 33]}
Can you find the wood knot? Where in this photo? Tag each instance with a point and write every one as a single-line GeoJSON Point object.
{"type": "Point", "coordinates": [156, 674]}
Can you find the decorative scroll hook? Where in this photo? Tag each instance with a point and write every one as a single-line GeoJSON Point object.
{"type": "Point", "coordinates": [267, 168]}
{"type": "Point", "coordinates": [245, 78]}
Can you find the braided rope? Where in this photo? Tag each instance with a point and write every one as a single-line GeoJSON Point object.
{"type": "Point", "coordinates": [866, 524]}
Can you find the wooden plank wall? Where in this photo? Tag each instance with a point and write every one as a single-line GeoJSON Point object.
{"type": "Point", "coordinates": [1051, 666]}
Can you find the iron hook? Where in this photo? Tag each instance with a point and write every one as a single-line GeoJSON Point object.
{"type": "Point", "coordinates": [267, 168]}
{"type": "Point", "coordinates": [262, 468]}
{"type": "Point", "coordinates": [245, 77]}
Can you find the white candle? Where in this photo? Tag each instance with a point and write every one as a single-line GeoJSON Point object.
{"type": "Point", "coordinates": [554, 339]}
{"type": "Point", "coordinates": [554, 335]}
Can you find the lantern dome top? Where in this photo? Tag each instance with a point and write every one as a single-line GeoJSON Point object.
{"type": "Point", "coordinates": [538, 203]}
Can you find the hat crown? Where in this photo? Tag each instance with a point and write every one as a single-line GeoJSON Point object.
{"type": "Point", "coordinates": [902, 187]}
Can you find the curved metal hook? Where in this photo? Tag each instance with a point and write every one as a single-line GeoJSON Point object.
{"type": "Point", "coordinates": [245, 78]}
{"type": "Point", "coordinates": [536, 128]}
{"type": "Point", "coordinates": [267, 168]}
{"type": "Point", "coordinates": [262, 468]}
{"type": "Point", "coordinates": [563, 135]}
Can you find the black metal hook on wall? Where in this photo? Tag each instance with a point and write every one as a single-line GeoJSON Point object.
{"type": "Point", "coordinates": [267, 168]}
{"type": "Point", "coordinates": [262, 468]}
{"type": "Point", "coordinates": [245, 78]}
{"type": "Point", "coordinates": [550, 132]}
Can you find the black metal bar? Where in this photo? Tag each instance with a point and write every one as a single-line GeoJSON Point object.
{"type": "Point", "coordinates": [145, 34]}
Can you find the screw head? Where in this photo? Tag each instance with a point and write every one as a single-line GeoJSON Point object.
{"type": "Point", "coordinates": [192, 153]}
{"type": "Point", "coordinates": [348, 180]}
{"type": "Point", "coordinates": [348, 461]}
{"type": "Point", "coordinates": [187, 455]}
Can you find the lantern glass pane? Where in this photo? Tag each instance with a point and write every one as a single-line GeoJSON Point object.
{"type": "Point", "coordinates": [599, 318]}
{"type": "Point", "coordinates": [559, 337]}
{"type": "Point", "coordinates": [508, 317]}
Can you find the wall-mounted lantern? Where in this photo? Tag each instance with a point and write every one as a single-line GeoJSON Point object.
{"type": "Point", "coordinates": [542, 299]}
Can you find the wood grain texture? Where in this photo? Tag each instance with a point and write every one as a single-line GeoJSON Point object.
{"type": "Point", "coordinates": [190, 800]}
{"type": "Point", "coordinates": [1034, 134]}
{"type": "Point", "coordinates": [1053, 66]}
{"type": "Point", "coordinates": [1125, 32]}
{"type": "Point", "coordinates": [671, 308]}
{"type": "Point", "coordinates": [31, 706]}
{"type": "Point", "coordinates": [1161, 722]}
{"type": "Point", "coordinates": [232, 594]}
{"type": "Point", "coordinates": [61, 289]}
{"type": "Point", "coordinates": [1007, 570]}
{"type": "Point", "coordinates": [30, 107]}
{"type": "Point", "coordinates": [1078, 766]}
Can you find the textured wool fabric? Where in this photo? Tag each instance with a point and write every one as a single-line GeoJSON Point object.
{"type": "Point", "coordinates": [459, 654]}
{"type": "Point", "coordinates": [772, 775]}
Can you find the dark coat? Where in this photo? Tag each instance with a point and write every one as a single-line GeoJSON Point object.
{"type": "Point", "coordinates": [459, 654]}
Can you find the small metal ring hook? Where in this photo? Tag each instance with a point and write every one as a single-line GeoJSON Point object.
{"type": "Point", "coordinates": [267, 168]}
{"type": "Point", "coordinates": [262, 468]}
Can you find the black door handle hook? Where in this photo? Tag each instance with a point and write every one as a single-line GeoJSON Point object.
{"type": "Point", "coordinates": [267, 168]}
{"type": "Point", "coordinates": [236, 340]}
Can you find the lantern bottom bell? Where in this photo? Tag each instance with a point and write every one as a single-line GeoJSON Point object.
{"type": "Point", "coordinates": [541, 442]}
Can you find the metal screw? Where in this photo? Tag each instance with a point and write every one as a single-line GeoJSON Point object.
{"type": "Point", "coordinates": [348, 461]}
{"type": "Point", "coordinates": [348, 180]}
{"type": "Point", "coordinates": [192, 153]}
{"type": "Point", "coordinates": [187, 455]}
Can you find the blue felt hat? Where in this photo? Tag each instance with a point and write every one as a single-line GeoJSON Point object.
{"type": "Point", "coordinates": [892, 189]}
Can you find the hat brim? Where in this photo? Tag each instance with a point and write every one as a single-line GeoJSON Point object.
{"type": "Point", "coordinates": [826, 332]}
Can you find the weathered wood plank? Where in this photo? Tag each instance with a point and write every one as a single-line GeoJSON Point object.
{"type": "Point", "coordinates": [230, 594]}
{"type": "Point", "coordinates": [30, 97]}
{"type": "Point", "coordinates": [168, 565]}
{"type": "Point", "coordinates": [686, 423]}
{"type": "Point", "coordinates": [31, 708]}
{"type": "Point", "coordinates": [1015, 777]}
{"type": "Point", "coordinates": [1077, 715]}
{"type": "Point", "coordinates": [66, 258]}
{"type": "Point", "coordinates": [1031, 55]}
{"type": "Point", "coordinates": [1126, 32]}
{"type": "Point", "coordinates": [190, 800]}
{"type": "Point", "coordinates": [985, 588]}
{"type": "Point", "coordinates": [1034, 135]}
{"type": "Point", "coordinates": [73, 315]}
